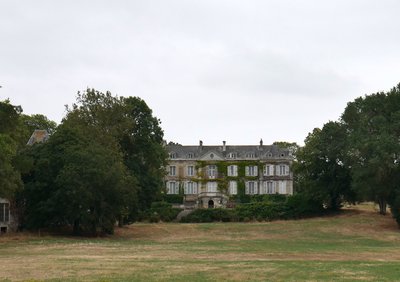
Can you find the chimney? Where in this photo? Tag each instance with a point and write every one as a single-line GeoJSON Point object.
{"type": "Point", "coordinates": [261, 143]}
{"type": "Point", "coordinates": [223, 146]}
{"type": "Point", "coordinates": [201, 145]}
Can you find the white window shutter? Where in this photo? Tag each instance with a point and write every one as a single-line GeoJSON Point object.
{"type": "Point", "coordinates": [247, 171]}
{"type": "Point", "coordinates": [185, 187]}
{"type": "Point", "coordinates": [271, 170]}
{"type": "Point", "coordinates": [284, 187]}
{"type": "Point", "coordinates": [247, 188]}
{"type": "Point", "coordinates": [255, 170]}
{"type": "Point", "coordinates": [235, 169]}
{"type": "Point", "coordinates": [255, 187]}
{"type": "Point", "coordinates": [277, 170]}
{"type": "Point", "coordinates": [194, 187]}
{"type": "Point", "coordinates": [287, 170]}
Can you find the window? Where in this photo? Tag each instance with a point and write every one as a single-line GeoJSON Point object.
{"type": "Point", "coordinates": [172, 187]}
{"type": "Point", "coordinates": [190, 156]}
{"type": "Point", "coordinates": [190, 170]}
{"type": "Point", "coordinates": [250, 155]}
{"type": "Point", "coordinates": [268, 170]}
{"type": "Point", "coordinates": [282, 187]}
{"type": "Point", "coordinates": [251, 188]}
{"type": "Point", "coordinates": [251, 170]}
{"type": "Point", "coordinates": [172, 155]}
{"type": "Point", "coordinates": [190, 188]}
{"type": "Point", "coordinates": [212, 171]}
{"type": "Point", "coordinates": [232, 187]}
{"type": "Point", "coordinates": [283, 169]}
{"type": "Point", "coordinates": [270, 187]}
{"type": "Point", "coordinates": [212, 187]}
{"type": "Point", "coordinates": [232, 156]}
{"type": "Point", "coordinates": [232, 170]}
{"type": "Point", "coordinates": [172, 170]}
{"type": "Point", "coordinates": [4, 212]}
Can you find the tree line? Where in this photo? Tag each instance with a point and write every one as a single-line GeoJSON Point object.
{"type": "Point", "coordinates": [103, 164]}
{"type": "Point", "coordinates": [355, 158]}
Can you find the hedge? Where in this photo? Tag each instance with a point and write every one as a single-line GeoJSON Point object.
{"type": "Point", "coordinates": [161, 211]}
{"type": "Point", "coordinates": [265, 207]}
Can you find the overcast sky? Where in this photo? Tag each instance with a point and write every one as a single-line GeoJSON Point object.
{"type": "Point", "coordinates": [210, 70]}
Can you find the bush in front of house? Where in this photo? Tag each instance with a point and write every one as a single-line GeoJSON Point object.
{"type": "Point", "coordinates": [211, 215]}
{"type": "Point", "coordinates": [173, 198]}
{"type": "Point", "coordinates": [263, 207]}
{"type": "Point", "coordinates": [161, 211]}
{"type": "Point", "coordinates": [302, 205]}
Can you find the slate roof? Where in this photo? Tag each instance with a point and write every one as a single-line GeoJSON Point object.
{"type": "Point", "coordinates": [38, 136]}
{"type": "Point", "coordinates": [240, 151]}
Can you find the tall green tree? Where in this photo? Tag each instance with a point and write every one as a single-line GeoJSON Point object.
{"type": "Point", "coordinates": [321, 169]}
{"type": "Point", "coordinates": [77, 181]}
{"type": "Point", "coordinates": [138, 133]}
{"type": "Point", "coordinates": [10, 180]}
{"type": "Point", "coordinates": [372, 123]}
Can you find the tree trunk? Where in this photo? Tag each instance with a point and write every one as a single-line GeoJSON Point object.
{"type": "Point", "coordinates": [382, 206]}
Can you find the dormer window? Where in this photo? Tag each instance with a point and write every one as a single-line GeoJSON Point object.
{"type": "Point", "coordinates": [269, 155]}
{"type": "Point", "coordinates": [232, 156]}
{"type": "Point", "coordinates": [190, 156]}
{"type": "Point", "coordinates": [250, 155]}
{"type": "Point", "coordinates": [172, 155]}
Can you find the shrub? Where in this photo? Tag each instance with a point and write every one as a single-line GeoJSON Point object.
{"type": "Point", "coordinates": [302, 205]}
{"type": "Point", "coordinates": [262, 207]}
{"type": "Point", "coordinates": [261, 210]}
{"type": "Point", "coordinates": [210, 215]}
{"type": "Point", "coordinates": [173, 199]}
{"type": "Point", "coordinates": [161, 211]}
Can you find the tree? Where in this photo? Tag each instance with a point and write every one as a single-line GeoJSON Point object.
{"type": "Point", "coordinates": [9, 116]}
{"type": "Point", "coordinates": [321, 169]}
{"type": "Point", "coordinates": [10, 180]}
{"type": "Point", "coordinates": [77, 181]}
{"type": "Point", "coordinates": [144, 151]}
{"type": "Point", "coordinates": [373, 123]}
{"type": "Point", "coordinates": [137, 132]}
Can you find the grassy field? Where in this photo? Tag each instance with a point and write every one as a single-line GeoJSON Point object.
{"type": "Point", "coordinates": [357, 244]}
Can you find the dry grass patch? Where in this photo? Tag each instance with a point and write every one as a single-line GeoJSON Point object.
{"type": "Point", "coordinates": [357, 243]}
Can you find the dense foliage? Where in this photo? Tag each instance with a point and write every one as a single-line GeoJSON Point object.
{"type": "Point", "coordinates": [104, 163]}
{"type": "Point", "coordinates": [356, 158]}
{"type": "Point", "coordinates": [75, 180]}
{"type": "Point", "coordinates": [10, 179]}
{"type": "Point", "coordinates": [160, 211]}
{"type": "Point", "coordinates": [267, 208]}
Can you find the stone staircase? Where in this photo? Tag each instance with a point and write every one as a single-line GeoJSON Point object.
{"type": "Point", "coordinates": [183, 214]}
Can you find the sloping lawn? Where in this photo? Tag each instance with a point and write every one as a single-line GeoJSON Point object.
{"type": "Point", "coordinates": [357, 244]}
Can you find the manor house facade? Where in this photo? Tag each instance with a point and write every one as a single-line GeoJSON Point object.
{"type": "Point", "coordinates": [216, 176]}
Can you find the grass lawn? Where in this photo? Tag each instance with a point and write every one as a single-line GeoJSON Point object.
{"type": "Point", "coordinates": [357, 244]}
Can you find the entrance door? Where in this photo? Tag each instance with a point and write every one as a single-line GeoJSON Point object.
{"type": "Point", "coordinates": [210, 204]}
